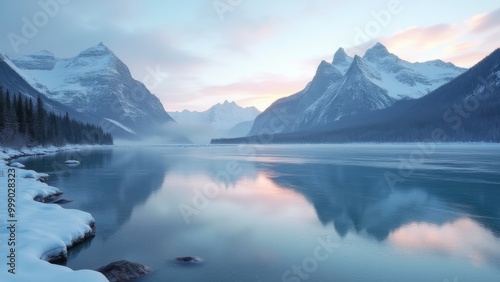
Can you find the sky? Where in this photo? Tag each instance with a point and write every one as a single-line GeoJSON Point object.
{"type": "Point", "coordinates": [193, 54]}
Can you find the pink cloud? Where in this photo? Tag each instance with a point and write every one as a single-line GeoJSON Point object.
{"type": "Point", "coordinates": [251, 92]}
{"type": "Point", "coordinates": [485, 22]}
{"type": "Point", "coordinates": [463, 238]}
{"type": "Point", "coordinates": [424, 37]}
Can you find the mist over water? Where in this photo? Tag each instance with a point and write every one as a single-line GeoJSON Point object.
{"type": "Point", "coordinates": [290, 212]}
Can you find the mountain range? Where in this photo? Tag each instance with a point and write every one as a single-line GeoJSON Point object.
{"type": "Point", "coordinates": [226, 119]}
{"type": "Point", "coordinates": [95, 86]}
{"type": "Point", "coordinates": [353, 85]}
{"type": "Point", "coordinates": [377, 97]}
{"type": "Point", "coordinates": [466, 109]}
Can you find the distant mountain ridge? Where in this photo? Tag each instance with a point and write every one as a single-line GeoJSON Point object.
{"type": "Point", "coordinates": [467, 109]}
{"type": "Point", "coordinates": [96, 83]}
{"type": "Point", "coordinates": [228, 119]}
{"type": "Point", "coordinates": [349, 86]}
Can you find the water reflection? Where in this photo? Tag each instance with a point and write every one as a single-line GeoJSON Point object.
{"type": "Point", "coordinates": [463, 238]}
{"type": "Point", "coordinates": [268, 215]}
{"type": "Point", "coordinates": [107, 183]}
{"type": "Point", "coordinates": [354, 196]}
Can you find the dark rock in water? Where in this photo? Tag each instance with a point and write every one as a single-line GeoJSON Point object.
{"type": "Point", "coordinates": [47, 199]}
{"type": "Point", "coordinates": [43, 179]}
{"type": "Point", "coordinates": [189, 260]}
{"type": "Point", "coordinates": [122, 271]}
{"type": "Point", "coordinates": [62, 202]}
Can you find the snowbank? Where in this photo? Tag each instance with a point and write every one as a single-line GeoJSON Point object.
{"type": "Point", "coordinates": [42, 231]}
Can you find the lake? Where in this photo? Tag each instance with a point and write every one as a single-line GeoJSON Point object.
{"type": "Point", "coordinates": [411, 212]}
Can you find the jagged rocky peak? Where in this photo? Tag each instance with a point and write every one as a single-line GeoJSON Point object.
{"type": "Point", "coordinates": [378, 52]}
{"type": "Point", "coordinates": [95, 51]}
{"type": "Point", "coordinates": [378, 49]}
{"type": "Point", "coordinates": [341, 61]}
{"type": "Point", "coordinates": [340, 56]}
{"type": "Point", "coordinates": [360, 67]}
{"type": "Point", "coordinates": [327, 69]}
{"type": "Point", "coordinates": [226, 103]}
{"type": "Point", "coordinates": [100, 55]}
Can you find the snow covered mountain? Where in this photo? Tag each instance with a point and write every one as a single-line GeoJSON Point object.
{"type": "Point", "coordinates": [11, 79]}
{"type": "Point", "coordinates": [349, 86]}
{"type": "Point", "coordinates": [466, 109]}
{"type": "Point", "coordinates": [222, 118]}
{"type": "Point", "coordinates": [95, 82]}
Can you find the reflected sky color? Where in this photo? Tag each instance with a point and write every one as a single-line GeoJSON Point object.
{"type": "Point", "coordinates": [441, 223]}
{"type": "Point", "coordinates": [463, 238]}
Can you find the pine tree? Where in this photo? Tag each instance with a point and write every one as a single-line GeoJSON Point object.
{"type": "Point", "coordinates": [7, 99]}
{"type": "Point", "coordinates": [2, 110]}
{"type": "Point", "coordinates": [10, 122]}
{"type": "Point", "coordinates": [21, 124]}
{"type": "Point", "coordinates": [30, 119]}
{"type": "Point", "coordinates": [66, 129]}
{"type": "Point", "coordinates": [40, 122]}
{"type": "Point", "coordinates": [21, 118]}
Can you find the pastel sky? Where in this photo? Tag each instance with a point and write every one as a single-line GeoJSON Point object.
{"type": "Point", "coordinates": [203, 52]}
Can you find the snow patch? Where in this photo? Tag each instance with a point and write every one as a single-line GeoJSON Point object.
{"type": "Point", "coordinates": [17, 165]}
{"type": "Point", "coordinates": [44, 230]}
{"type": "Point", "coordinates": [128, 129]}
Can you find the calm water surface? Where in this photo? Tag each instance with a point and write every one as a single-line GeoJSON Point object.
{"type": "Point", "coordinates": [289, 213]}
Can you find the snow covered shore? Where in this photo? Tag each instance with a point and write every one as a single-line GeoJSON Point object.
{"type": "Point", "coordinates": [32, 232]}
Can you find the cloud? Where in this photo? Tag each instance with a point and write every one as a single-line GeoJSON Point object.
{"type": "Point", "coordinates": [463, 43]}
{"type": "Point", "coordinates": [258, 91]}
{"type": "Point", "coordinates": [463, 238]}
{"type": "Point", "coordinates": [424, 37]}
{"type": "Point", "coordinates": [485, 22]}
{"type": "Point", "coordinates": [206, 58]}
{"type": "Point", "coordinates": [243, 36]}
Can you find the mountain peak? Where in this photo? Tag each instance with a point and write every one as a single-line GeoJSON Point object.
{"type": "Point", "coordinates": [377, 51]}
{"type": "Point", "coordinates": [340, 56]}
{"type": "Point", "coordinates": [341, 61]}
{"type": "Point", "coordinates": [97, 50]}
{"type": "Point", "coordinates": [325, 69]}
{"type": "Point", "coordinates": [361, 68]}
{"type": "Point", "coordinates": [357, 60]}
{"type": "Point", "coordinates": [380, 46]}
{"type": "Point", "coordinates": [226, 103]}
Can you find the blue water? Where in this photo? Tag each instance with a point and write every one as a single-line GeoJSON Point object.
{"type": "Point", "coordinates": [289, 213]}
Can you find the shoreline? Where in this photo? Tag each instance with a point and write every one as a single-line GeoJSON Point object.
{"type": "Point", "coordinates": [42, 232]}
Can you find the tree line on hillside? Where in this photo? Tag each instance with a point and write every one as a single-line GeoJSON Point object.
{"type": "Point", "coordinates": [27, 123]}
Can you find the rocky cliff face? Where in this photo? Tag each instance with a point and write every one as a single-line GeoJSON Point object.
{"type": "Point", "coordinates": [98, 83]}
{"type": "Point", "coordinates": [349, 86]}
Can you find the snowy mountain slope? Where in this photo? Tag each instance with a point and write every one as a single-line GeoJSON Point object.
{"type": "Point", "coordinates": [11, 79]}
{"type": "Point", "coordinates": [349, 86]}
{"type": "Point", "coordinates": [220, 117]}
{"type": "Point", "coordinates": [239, 130]}
{"type": "Point", "coordinates": [403, 79]}
{"type": "Point", "coordinates": [95, 82]}
{"type": "Point", "coordinates": [466, 109]}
